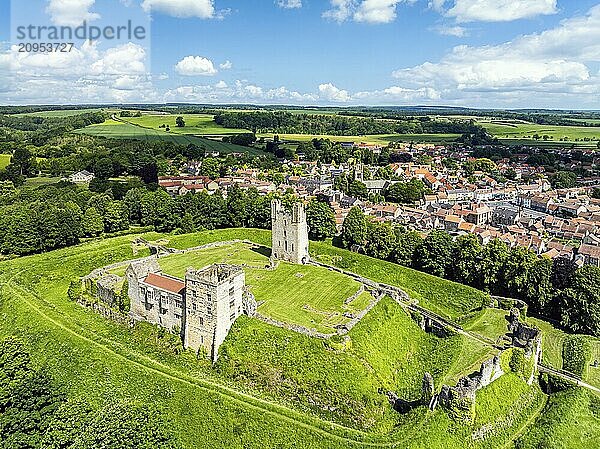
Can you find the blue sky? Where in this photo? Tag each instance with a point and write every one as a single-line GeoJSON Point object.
{"type": "Point", "coordinates": [478, 53]}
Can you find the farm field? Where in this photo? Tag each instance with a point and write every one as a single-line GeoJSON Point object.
{"type": "Point", "coordinates": [62, 113]}
{"type": "Point", "coordinates": [196, 124]}
{"type": "Point", "coordinates": [119, 130]}
{"type": "Point", "coordinates": [381, 139]}
{"type": "Point", "coordinates": [275, 388]}
{"type": "Point", "coordinates": [4, 160]}
{"type": "Point", "coordinates": [309, 296]}
{"type": "Point", "coordinates": [518, 131]}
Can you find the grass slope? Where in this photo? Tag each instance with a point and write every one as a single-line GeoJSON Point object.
{"type": "Point", "coordinates": [119, 130]}
{"type": "Point", "coordinates": [373, 139]}
{"type": "Point", "coordinates": [516, 131]}
{"type": "Point", "coordinates": [571, 420]}
{"type": "Point", "coordinates": [443, 297]}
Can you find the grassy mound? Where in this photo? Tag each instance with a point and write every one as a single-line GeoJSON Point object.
{"type": "Point", "coordinates": [97, 359]}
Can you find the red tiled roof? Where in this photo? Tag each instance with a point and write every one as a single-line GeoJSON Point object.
{"type": "Point", "coordinates": [164, 283]}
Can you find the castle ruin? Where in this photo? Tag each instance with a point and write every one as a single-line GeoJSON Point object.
{"type": "Point", "coordinates": [290, 233]}
{"type": "Point", "coordinates": [201, 308]}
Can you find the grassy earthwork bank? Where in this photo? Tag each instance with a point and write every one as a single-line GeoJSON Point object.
{"type": "Point", "coordinates": [271, 387]}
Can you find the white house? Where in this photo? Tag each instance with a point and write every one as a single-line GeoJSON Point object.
{"type": "Point", "coordinates": [82, 177]}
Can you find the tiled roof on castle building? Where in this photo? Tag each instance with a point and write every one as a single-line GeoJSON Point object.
{"type": "Point", "coordinates": [165, 283]}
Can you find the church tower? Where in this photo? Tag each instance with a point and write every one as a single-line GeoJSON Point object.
{"type": "Point", "coordinates": [290, 233]}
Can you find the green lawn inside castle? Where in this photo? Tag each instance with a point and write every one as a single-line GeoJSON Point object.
{"type": "Point", "coordinates": [306, 295]}
{"type": "Point", "coordinates": [271, 386]}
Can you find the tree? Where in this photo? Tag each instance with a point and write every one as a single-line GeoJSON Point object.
{"type": "Point", "coordinates": [580, 303]}
{"type": "Point", "coordinates": [380, 241]}
{"type": "Point", "coordinates": [321, 220]}
{"type": "Point", "coordinates": [528, 277]}
{"type": "Point", "coordinates": [491, 266]}
{"type": "Point", "coordinates": [406, 192]}
{"type": "Point", "coordinates": [465, 259]}
{"type": "Point", "coordinates": [123, 300]}
{"type": "Point", "coordinates": [180, 122]}
{"type": "Point", "coordinates": [236, 207]}
{"type": "Point", "coordinates": [358, 189]}
{"type": "Point", "coordinates": [187, 224]}
{"type": "Point", "coordinates": [28, 398]}
{"type": "Point", "coordinates": [563, 180]}
{"type": "Point", "coordinates": [115, 217]}
{"type": "Point", "coordinates": [406, 245]}
{"type": "Point", "coordinates": [93, 225]}
{"type": "Point", "coordinates": [22, 161]}
{"type": "Point", "coordinates": [210, 168]}
{"type": "Point", "coordinates": [434, 255]}
{"type": "Point", "coordinates": [158, 211]}
{"type": "Point", "coordinates": [354, 229]}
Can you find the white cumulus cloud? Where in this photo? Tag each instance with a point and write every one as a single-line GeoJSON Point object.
{"type": "Point", "coordinates": [289, 4]}
{"type": "Point", "coordinates": [71, 12]}
{"type": "Point", "coordinates": [558, 61]}
{"type": "Point", "coordinates": [329, 92]}
{"type": "Point", "coordinates": [456, 31]}
{"type": "Point", "coordinates": [368, 11]}
{"type": "Point", "coordinates": [499, 10]}
{"type": "Point", "coordinates": [226, 65]}
{"type": "Point", "coordinates": [196, 66]}
{"type": "Point", "coordinates": [204, 9]}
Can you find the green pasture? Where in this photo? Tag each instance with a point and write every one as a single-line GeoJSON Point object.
{"type": "Point", "coordinates": [376, 139]}
{"type": "Point", "coordinates": [118, 130]}
{"type": "Point", "coordinates": [519, 131]}
{"type": "Point", "coordinates": [491, 324]}
{"type": "Point", "coordinates": [197, 124]}
{"type": "Point", "coordinates": [570, 420]}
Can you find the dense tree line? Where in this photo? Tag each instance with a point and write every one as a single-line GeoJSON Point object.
{"type": "Point", "coordinates": [36, 413]}
{"type": "Point", "coordinates": [58, 216]}
{"type": "Point", "coordinates": [339, 125]}
{"type": "Point", "coordinates": [553, 289]}
{"type": "Point", "coordinates": [38, 130]}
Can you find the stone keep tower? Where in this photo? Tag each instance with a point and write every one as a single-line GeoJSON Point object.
{"type": "Point", "coordinates": [213, 302]}
{"type": "Point", "coordinates": [290, 233]}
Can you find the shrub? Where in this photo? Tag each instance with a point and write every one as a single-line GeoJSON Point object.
{"type": "Point", "coordinates": [576, 353]}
